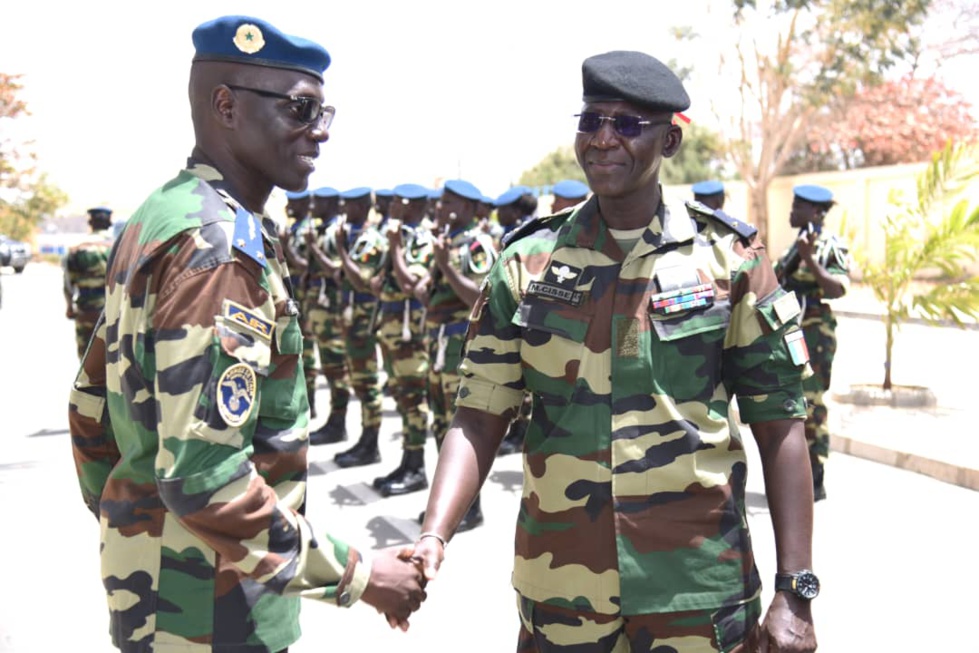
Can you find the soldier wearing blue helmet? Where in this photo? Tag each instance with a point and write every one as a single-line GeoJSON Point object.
{"type": "Point", "coordinates": [710, 193]}
{"type": "Point", "coordinates": [195, 464]}
{"type": "Point", "coordinates": [816, 267]}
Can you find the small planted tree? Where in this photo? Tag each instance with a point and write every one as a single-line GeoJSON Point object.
{"type": "Point", "coordinates": [936, 234]}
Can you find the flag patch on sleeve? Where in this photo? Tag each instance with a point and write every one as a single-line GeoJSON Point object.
{"type": "Point", "coordinates": [796, 343]}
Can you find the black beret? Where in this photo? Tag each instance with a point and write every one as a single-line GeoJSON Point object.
{"type": "Point", "coordinates": [634, 77]}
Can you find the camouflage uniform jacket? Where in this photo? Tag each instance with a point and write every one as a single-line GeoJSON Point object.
{"type": "Point", "coordinates": [417, 244]}
{"type": "Point", "coordinates": [189, 425]}
{"type": "Point", "coordinates": [634, 471]}
{"type": "Point", "coordinates": [472, 251]}
{"type": "Point", "coordinates": [830, 253]}
{"type": "Point", "coordinates": [84, 272]}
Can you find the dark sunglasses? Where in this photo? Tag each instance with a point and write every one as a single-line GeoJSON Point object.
{"type": "Point", "coordinates": [307, 110]}
{"type": "Point", "coordinates": [590, 122]}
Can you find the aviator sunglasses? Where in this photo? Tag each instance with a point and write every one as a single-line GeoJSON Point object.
{"type": "Point", "coordinates": [308, 110]}
{"type": "Point", "coordinates": [626, 126]}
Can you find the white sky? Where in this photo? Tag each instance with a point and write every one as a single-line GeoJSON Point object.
{"type": "Point", "coordinates": [424, 90]}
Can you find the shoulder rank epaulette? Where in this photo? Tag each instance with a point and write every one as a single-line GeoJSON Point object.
{"type": "Point", "coordinates": [534, 224]}
{"type": "Point", "coordinates": [248, 236]}
{"type": "Point", "coordinates": [740, 227]}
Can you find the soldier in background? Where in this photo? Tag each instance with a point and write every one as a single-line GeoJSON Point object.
{"type": "Point", "coordinates": [816, 267]}
{"type": "Point", "coordinates": [84, 276]}
{"type": "Point", "coordinates": [382, 206]}
{"type": "Point", "coordinates": [196, 465]}
{"type": "Point", "coordinates": [635, 324]}
{"type": "Point", "coordinates": [401, 332]}
{"type": "Point", "coordinates": [463, 255]}
{"type": "Point", "coordinates": [514, 208]}
{"type": "Point", "coordinates": [568, 193]}
{"type": "Point", "coordinates": [710, 193]}
{"type": "Point", "coordinates": [323, 312]}
{"type": "Point", "coordinates": [299, 222]}
{"type": "Point", "coordinates": [361, 250]}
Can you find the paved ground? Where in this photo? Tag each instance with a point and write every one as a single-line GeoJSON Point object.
{"type": "Point", "coordinates": [892, 547]}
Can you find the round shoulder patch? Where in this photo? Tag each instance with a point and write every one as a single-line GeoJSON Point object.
{"type": "Point", "coordinates": [236, 394]}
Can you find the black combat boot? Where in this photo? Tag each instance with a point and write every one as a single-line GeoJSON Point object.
{"type": "Point", "coordinates": [311, 397]}
{"type": "Point", "coordinates": [818, 490]}
{"type": "Point", "coordinates": [513, 441]}
{"type": "Point", "coordinates": [335, 430]}
{"type": "Point", "coordinates": [408, 477]}
{"type": "Point", "coordinates": [472, 518]}
{"type": "Point", "coordinates": [365, 452]}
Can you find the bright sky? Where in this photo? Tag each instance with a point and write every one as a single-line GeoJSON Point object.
{"type": "Point", "coordinates": [424, 90]}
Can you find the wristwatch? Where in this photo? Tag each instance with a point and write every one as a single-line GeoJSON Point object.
{"type": "Point", "coordinates": [803, 584]}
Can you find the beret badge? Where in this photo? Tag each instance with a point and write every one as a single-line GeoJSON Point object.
{"type": "Point", "coordinates": [249, 39]}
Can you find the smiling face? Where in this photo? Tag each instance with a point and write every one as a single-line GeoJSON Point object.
{"type": "Point", "coordinates": [617, 166]}
{"type": "Point", "coordinates": [269, 142]}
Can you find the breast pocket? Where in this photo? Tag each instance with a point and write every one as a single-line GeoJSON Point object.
{"type": "Point", "coordinates": [687, 351]}
{"type": "Point", "coordinates": [553, 351]}
{"type": "Point", "coordinates": [284, 389]}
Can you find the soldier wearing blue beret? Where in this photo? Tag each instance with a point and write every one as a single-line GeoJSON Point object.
{"type": "Point", "coordinates": [710, 193]}
{"type": "Point", "coordinates": [635, 325]}
{"type": "Point", "coordinates": [195, 465]}
{"type": "Point", "coordinates": [402, 334]}
{"type": "Point", "coordinates": [567, 193]}
{"type": "Point", "coordinates": [463, 255]}
{"type": "Point", "coordinates": [816, 267]}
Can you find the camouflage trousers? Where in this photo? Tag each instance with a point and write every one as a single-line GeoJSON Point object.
{"type": "Point", "coordinates": [327, 338]}
{"type": "Point", "coordinates": [406, 364]}
{"type": "Point", "coordinates": [445, 352]}
{"type": "Point", "coordinates": [84, 328]}
{"type": "Point", "coordinates": [551, 629]}
{"type": "Point", "coordinates": [819, 328]}
{"type": "Point", "coordinates": [361, 352]}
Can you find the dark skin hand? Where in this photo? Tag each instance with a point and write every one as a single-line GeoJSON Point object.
{"type": "Point", "coordinates": [465, 459]}
{"type": "Point", "coordinates": [461, 284]}
{"type": "Point", "coordinates": [830, 286]}
{"type": "Point", "coordinates": [396, 587]}
{"type": "Point", "coordinates": [787, 626]}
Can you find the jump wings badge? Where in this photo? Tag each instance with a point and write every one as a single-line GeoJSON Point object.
{"type": "Point", "coordinates": [236, 394]}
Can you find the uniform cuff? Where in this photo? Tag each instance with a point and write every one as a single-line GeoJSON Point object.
{"type": "Point", "coordinates": [779, 404]}
{"type": "Point", "coordinates": [354, 581]}
{"type": "Point", "coordinates": [488, 397]}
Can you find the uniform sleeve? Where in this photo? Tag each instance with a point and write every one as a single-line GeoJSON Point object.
{"type": "Point", "coordinates": [491, 372]}
{"type": "Point", "coordinates": [93, 445]}
{"type": "Point", "coordinates": [838, 263]}
{"type": "Point", "coordinates": [764, 352]}
{"type": "Point", "coordinates": [205, 473]}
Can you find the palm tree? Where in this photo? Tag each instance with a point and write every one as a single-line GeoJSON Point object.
{"type": "Point", "coordinates": [917, 241]}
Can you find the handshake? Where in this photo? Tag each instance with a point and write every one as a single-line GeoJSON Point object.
{"type": "Point", "coordinates": [398, 578]}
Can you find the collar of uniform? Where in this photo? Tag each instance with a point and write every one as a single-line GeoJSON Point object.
{"type": "Point", "coordinates": [464, 234]}
{"type": "Point", "coordinates": [589, 230]}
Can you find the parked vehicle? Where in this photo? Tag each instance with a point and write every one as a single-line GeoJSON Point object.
{"type": "Point", "coordinates": [14, 253]}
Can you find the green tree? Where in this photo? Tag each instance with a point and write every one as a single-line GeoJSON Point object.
{"type": "Point", "coordinates": [794, 57]}
{"type": "Point", "coordinates": [26, 196]}
{"type": "Point", "coordinates": [557, 165]}
{"type": "Point", "coordinates": [917, 241]}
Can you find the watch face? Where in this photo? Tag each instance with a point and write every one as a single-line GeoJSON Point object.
{"type": "Point", "coordinates": [807, 585]}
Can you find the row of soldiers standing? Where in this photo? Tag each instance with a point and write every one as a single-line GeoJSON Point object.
{"type": "Point", "coordinates": [405, 281]}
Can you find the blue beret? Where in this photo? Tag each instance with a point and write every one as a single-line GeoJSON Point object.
{"type": "Point", "coordinates": [243, 39]}
{"type": "Point", "coordinates": [464, 189]}
{"type": "Point", "coordinates": [435, 193]}
{"type": "Point", "coordinates": [633, 77]}
{"type": "Point", "coordinates": [411, 191]}
{"type": "Point", "coordinates": [709, 187]}
{"type": "Point", "coordinates": [570, 189]}
{"type": "Point", "coordinates": [326, 192]}
{"type": "Point", "coordinates": [511, 195]}
{"type": "Point", "coordinates": [487, 200]}
{"type": "Point", "coordinates": [814, 194]}
{"type": "Point", "coordinates": [99, 209]}
{"type": "Point", "coordinates": [356, 193]}
{"type": "Point", "coordinates": [384, 192]}
{"type": "Point", "coordinates": [297, 195]}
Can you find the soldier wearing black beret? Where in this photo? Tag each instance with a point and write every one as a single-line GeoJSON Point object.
{"type": "Point", "coordinates": [635, 323]}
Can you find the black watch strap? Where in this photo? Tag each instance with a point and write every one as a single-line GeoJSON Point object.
{"type": "Point", "coordinates": [803, 584]}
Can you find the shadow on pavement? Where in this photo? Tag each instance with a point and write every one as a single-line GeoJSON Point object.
{"type": "Point", "coordinates": [510, 481]}
{"type": "Point", "coordinates": [45, 432]}
{"type": "Point", "coordinates": [392, 531]}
